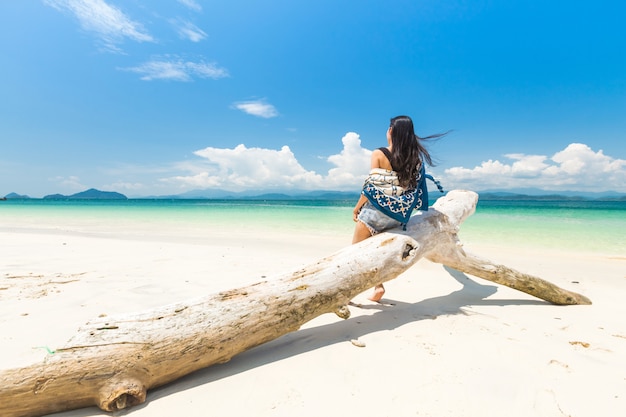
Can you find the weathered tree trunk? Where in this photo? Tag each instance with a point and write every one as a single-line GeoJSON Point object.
{"type": "Point", "coordinates": [112, 362]}
{"type": "Point", "coordinates": [451, 254]}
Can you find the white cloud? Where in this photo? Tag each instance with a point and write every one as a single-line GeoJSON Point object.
{"type": "Point", "coordinates": [177, 70]}
{"type": "Point", "coordinates": [125, 186]}
{"type": "Point", "coordinates": [243, 168]}
{"type": "Point", "coordinates": [526, 165]}
{"type": "Point", "coordinates": [575, 168]}
{"type": "Point", "coordinates": [108, 22]}
{"type": "Point", "coordinates": [257, 108]}
{"type": "Point", "coordinates": [351, 164]}
{"type": "Point", "coordinates": [72, 183]}
{"type": "Point", "coordinates": [188, 30]}
{"type": "Point", "coordinates": [191, 4]}
{"type": "Point", "coordinates": [250, 168]}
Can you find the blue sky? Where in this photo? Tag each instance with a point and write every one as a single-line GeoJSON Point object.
{"type": "Point", "coordinates": [156, 97]}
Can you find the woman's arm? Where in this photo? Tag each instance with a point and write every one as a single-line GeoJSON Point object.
{"type": "Point", "coordinates": [357, 208]}
{"type": "Point", "coordinates": [376, 161]}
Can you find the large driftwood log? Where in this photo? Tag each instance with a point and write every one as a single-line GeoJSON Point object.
{"type": "Point", "coordinates": [112, 362]}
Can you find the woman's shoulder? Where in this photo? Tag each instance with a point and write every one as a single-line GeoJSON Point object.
{"type": "Point", "coordinates": [382, 158]}
{"type": "Point", "coordinates": [379, 152]}
{"type": "Point", "coordinates": [383, 151]}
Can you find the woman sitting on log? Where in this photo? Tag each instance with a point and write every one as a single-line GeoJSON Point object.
{"type": "Point", "coordinates": [395, 186]}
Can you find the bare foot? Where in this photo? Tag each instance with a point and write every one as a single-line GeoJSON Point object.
{"type": "Point", "coordinates": [379, 291]}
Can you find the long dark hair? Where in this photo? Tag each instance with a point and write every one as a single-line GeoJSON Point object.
{"type": "Point", "coordinates": [407, 151]}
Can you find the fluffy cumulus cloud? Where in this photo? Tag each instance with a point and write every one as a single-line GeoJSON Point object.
{"type": "Point", "coordinates": [243, 168]}
{"type": "Point", "coordinates": [177, 69]}
{"type": "Point", "coordinates": [350, 165]}
{"type": "Point", "coordinates": [575, 168]}
{"type": "Point", "coordinates": [259, 108]}
{"type": "Point", "coordinates": [108, 22]}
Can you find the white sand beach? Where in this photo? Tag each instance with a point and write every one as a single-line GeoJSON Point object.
{"type": "Point", "coordinates": [441, 344]}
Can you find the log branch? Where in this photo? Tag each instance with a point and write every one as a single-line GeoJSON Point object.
{"type": "Point", "coordinates": [503, 275]}
{"type": "Point", "coordinates": [113, 362]}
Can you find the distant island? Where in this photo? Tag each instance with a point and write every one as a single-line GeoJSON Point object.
{"type": "Point", "coordinates": [91, 194]}
{"type": "Point", "coordinates": [217, 194]}
{"type": "Point", "coordinates": [15, 196]}
{"type": "Point", "coordinates": [502, 196]}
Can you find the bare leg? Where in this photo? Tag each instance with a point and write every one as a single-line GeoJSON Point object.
{"type": "Point", "coordinates": [379, 291]}
{"type": "Point", "coordinates": [361, 232]}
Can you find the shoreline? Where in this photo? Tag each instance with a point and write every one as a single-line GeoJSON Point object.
{"type": "Point", "coordinates": [546, 227]}
{"type": "Point", "coordinates": [444, 343]}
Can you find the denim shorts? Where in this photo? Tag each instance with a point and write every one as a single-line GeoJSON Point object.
{"type": "Point", "coordinates": [375, 220]}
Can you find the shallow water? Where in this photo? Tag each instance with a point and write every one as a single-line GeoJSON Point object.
{"type": "Point", "coordinates": [590, 226]}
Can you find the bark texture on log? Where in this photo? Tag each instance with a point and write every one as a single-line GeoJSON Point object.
{"type": "Point", "coordinates": [112, 362]}
{"type": "Point", "coordinates": [501, 274]}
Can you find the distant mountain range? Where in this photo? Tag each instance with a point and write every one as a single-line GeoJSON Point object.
{"type": "Point", "coordinates": [536, 194]}
{"type": "Point", "coordinates": [261, 195]}
{"type": "Point", "coordinates": [519, 194]}
{"type": "Point", "coordinates": [15, 196]}
{"type": "Point", "coordinates": [91, 194]}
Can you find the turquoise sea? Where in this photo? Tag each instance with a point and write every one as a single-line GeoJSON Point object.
{"type": "Point", "coordinates": [589, 226]}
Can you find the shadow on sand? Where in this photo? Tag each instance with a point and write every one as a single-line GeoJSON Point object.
{"type": "Point", "coordinates": [390, 315]}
